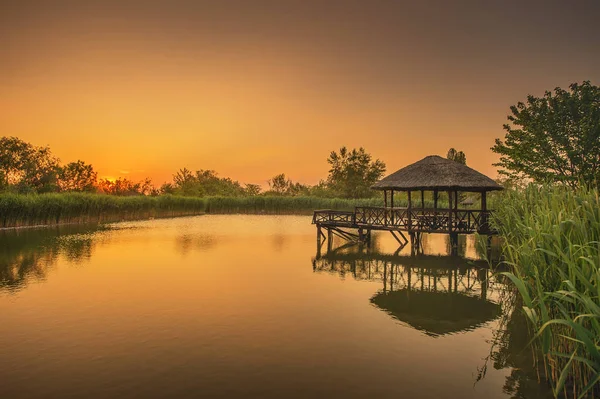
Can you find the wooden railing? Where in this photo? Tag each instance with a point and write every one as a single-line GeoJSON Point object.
{"type": "Point", "coordinates": [338, 218]}
{"type": "Point", "coordinates": [419, 219]}
{"type": "Point", "coordinates": [415, 219]}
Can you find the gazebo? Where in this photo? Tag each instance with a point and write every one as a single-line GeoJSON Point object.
{"type": "Point", "coordinates": [434, 174]}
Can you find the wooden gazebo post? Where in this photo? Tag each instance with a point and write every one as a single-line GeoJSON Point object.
{"type": "Point", "coordinates": [449, 212]}
{"type": "Point", "coordinates": [385, 207]}
{"type": "Point", "coordinates": [392, 206]}
{"type": "Point", "coordinates": [484, 216]}
{"type": "Point", "coordinates": [408, 210]}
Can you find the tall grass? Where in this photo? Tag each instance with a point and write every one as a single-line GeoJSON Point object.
{"type": "Point", "coordinates": [279, 205]}
{"type": "Point", "coordinates": [46, 209]}
{"type": "Point", "coordinates": [552, 243]}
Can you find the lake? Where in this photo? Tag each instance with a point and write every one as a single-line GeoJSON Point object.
{"type": "Point", "coordinates": [245, 306]}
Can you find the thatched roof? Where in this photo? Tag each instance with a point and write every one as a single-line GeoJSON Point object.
{"type": "Point", "coordinates": [435, 172]}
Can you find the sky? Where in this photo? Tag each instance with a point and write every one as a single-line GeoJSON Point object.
{"type": "Point", "coordinates": [256, 88]}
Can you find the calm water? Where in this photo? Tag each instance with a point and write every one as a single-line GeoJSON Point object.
{"type": "Point", "coordinates": [243, 306]}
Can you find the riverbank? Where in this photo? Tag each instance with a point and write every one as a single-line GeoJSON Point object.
{"type": "Point", "coordinates": [74, 208]}
{"type": "Point", "coordinates": [552, 244]}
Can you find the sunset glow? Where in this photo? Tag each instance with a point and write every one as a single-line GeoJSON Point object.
{"type": "Point", "coordinates": [256, 93]}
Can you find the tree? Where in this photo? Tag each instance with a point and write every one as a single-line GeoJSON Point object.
{"type": "Point", "coordinates": [281, 185]}
{"type": "Point", "coordinates": [205, 183]}
{"type": "Point", "coordinates": [184, 181]}
{"type": "Point", "coordinates": [26, 167]}
{"type": "Point", "coordinates": [123, 186]}
{"type": "Point", "coordinates": [353, 172]}
{"type": "Point", "coordinates": [555, 137]}
{"type": "Point", "coordinates": [457, 156]}
{"type": "Point", "coordinates": [252, 189]}
{"type": "Point", "coordinates": [77, 176]}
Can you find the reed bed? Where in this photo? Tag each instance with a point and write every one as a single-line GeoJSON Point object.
{"type": "Point", "coordinates": [284, 205]}
{"type": "Point", "coordinates": [48, 209]}
{"type": "Point", "coordinates": [68, 208]}
{"type": "Point", "coordinates": [552, 244]}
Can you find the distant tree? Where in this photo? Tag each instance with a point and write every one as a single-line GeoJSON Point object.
{"type": "Point", "coordinates": [555, 137]}
{"type": "Point", "coordinates": [167, 188]}
{"type": "Point", "coordinates": [211, 184]}
{"type": "Point", "coordinates": [281, 185]}
{"type": "Point", "coordinates": [27, 168]}
{"type": "Point", "coordinates": [353, 172]}
{"type": "Point", "coordinates": [322, 189]}
{"type": "Point", "coordinates": [457, 156]}
{"type": "Point", "coordinates": [184, 181]}
{"type": "Point", "coordinates": [252, 189]}
{"type": "Point", "coordinates": [77, 176]}
{"type": "Point", "coordinates": [205, 183]}
{"type": "Point", "coordinates": [124, 187]}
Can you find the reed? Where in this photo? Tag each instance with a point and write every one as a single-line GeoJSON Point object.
{"type": "Point", "coordinates": [48, 209]}
{"type": "Point", "coordinates": [552, 244]}
{"type": "Point", "coordinates": [283, 205]}
{"type": "Point", "coordinates": [68, 208]}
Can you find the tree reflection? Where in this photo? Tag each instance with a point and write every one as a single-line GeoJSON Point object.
{"type": "Point", "coordinates": [29, 254]}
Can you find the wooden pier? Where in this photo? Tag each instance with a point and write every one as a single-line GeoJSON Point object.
{"type": "Point", "coordinates": [432, 173]}
{"type": "Point", "coordinates": [357, 225]}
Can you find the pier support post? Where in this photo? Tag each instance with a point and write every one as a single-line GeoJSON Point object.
{"type": "Point", "coordinates": [454, 244]}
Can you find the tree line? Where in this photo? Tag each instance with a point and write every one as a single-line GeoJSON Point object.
{"type": "Point", "coordinates": [553, 138]}
{"type": "Point", "coordinates": [26, 169]}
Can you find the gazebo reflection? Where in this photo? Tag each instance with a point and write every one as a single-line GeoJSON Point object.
{"type": "Point", "coordinates": [438, 295]}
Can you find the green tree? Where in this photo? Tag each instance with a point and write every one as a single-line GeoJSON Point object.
{"type": "Point", "coordinates": [555, 137]}
{"type": "Point", "coordinates": [123, 187]}
{"type": "Point", "coordinates": [77, 176]}
{"type": "Point", "coordinates": [167, 188]}
{"type": "Point", "coordinates": [184, 182]}
{"type": "Point", "coordinates": [281, 185]}
{"type": "Point", "coordinates": [353, 172]}
{"type": "Point", "coordinates": [252, 189]}
{"type": "Point", "coordinates": [205, 183]}
{"type": "Point", "coordinates": [27, 168]}
{"type": "Point", "coordinates": [457, 156]}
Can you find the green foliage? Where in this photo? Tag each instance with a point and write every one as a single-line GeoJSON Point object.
{"type": "Point", "coordinates": [27, 168]}
{"type": "Point", "coordinates": [77, 176]}
{"type": "Point", "coordinates": [353, 173]}
{"type": "Point", "coordinates": [456, 156]}
{"type": "Point", "coordinates": [554, 138]}
{"type": "Point", "coordinates": [281, 185]}
{"type": "Point", "coordinates": [205, 183]}
{"type": "Point", "coordinates": [252, 189]}
{"type": "Point", "coordinates": [552, 243]}
{"type": "Point", "coordinates": [125, 187]}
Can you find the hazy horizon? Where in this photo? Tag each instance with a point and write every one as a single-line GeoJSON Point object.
{"type": "Point", "coordinates": [253, 89]}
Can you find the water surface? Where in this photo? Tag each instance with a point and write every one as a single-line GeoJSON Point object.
{"type": "Point", "coordinates": [245, 306]}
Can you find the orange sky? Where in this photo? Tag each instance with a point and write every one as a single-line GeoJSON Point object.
{"type": "Point", "coordinates": [252, 89]}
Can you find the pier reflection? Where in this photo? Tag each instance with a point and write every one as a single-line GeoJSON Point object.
{"type": "Point", "coordinates": [437, 295]}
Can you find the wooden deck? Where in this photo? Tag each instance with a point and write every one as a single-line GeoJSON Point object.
{"type": "Point", "coordinates": [411, 220]}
